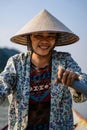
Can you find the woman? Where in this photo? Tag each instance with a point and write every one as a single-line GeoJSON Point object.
{"type": "Point", "coordinates": [38, 82]}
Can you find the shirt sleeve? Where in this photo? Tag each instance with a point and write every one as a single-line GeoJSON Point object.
{"type": "Point", "coordinates": [7, 80]}
{"type": "Point", "coordinates": [72, 65]}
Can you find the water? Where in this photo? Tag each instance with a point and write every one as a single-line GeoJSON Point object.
{"type": "Point", "coordinates": [3, 116]}
{"type": "Point", "coordinates": [81, 108]}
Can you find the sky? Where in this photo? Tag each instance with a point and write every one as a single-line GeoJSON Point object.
{"type": "Point", "coordinates": [73, 13]}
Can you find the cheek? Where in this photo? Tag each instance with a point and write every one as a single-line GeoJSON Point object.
{"type": "Point", "coordinates": [34, 44]}
{"type": "Point", "coordinates": [53, 44]}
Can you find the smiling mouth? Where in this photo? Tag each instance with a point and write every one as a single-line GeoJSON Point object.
{"type": "Point", "coordinates": [44, 47]}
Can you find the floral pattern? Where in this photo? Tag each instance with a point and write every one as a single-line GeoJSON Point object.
{"type": "Point", "coordinates": [15, 84]}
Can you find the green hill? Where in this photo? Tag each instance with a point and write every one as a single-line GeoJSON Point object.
{"type": "Point", "coordinates": [5, 54]}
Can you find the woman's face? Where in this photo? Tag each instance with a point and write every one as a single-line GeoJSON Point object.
{"type": "Point", "coordinates": [43, 43]}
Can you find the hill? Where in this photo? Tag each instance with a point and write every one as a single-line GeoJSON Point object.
{"type": "Point", "coordinates": [5, 54]}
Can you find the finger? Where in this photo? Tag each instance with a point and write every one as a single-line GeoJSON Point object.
{"type": "Point", "coordinates": [61, 70]}
{"type": "Point", "coordinates": [71, 77]}
{"type": "Point", "coordinates": [57, 80]}
{"type": "Point", "coordinates": [64, 77]}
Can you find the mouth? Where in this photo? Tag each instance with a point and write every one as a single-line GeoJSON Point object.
{"type": "Point", "coordinates": [44, 47]}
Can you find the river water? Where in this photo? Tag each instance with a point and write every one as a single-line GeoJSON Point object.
{"type": "Point", "coordinates": [3, 116]}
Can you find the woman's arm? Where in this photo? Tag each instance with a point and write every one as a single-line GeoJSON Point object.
{"type": "Point", "coordinates": [7, 80]}
{"type": "Point", "coordinates": [79, 87]}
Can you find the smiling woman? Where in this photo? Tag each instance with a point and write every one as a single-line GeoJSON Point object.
{"type": "Point", "coordinates": [42, 44]}
{"type": "Point", "coordinates": [30, 80]}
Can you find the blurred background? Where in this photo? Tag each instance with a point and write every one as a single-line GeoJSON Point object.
{"type": "Point", "coordinates": [15, 14]}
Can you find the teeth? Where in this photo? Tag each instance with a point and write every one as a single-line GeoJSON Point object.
{"type": "Point", "coordinates": [43, 47]}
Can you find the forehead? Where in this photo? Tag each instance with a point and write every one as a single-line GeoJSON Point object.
{"type": "Point", "coordinates": [44, 33]}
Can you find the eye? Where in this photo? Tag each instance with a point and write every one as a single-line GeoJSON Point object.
{"type": "Point", "coordinates": [51, 37]}
{"type": "Point", "coordinates": [38, 36]}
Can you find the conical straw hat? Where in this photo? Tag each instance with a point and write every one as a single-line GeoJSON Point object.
{"type": "Point", "coordinates": [45, 21]}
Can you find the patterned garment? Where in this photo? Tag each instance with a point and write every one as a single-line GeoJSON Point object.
{"type": "Point", "coordinates": [39, 102]}
{"type": "Point", "coordinates": [15, 83]}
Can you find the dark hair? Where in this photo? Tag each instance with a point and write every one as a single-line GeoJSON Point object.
{"type": "Point", "coordinates": [29, 47]}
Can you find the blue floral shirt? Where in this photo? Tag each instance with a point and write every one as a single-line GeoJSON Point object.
{"type": "Point", "coordinates": [15, 84]}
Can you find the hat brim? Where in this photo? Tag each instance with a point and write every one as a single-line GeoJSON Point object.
{"type": "Point", "coordinates": [63, 38]}
{"type": "Point", "coordinates": [45, 22]}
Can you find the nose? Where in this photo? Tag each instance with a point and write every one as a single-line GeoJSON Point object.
{"type": "Point", "coordinates": [45, 40]}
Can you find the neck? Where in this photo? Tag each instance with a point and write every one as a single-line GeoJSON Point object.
{"type": "Point", "coordinates": [40, 61]}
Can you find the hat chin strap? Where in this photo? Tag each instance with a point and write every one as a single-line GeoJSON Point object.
{"type": "Point", "coordinates": [29, 43]}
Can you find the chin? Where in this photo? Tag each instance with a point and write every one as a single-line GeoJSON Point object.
{"type": "Point", "coordinates": [42, 54]}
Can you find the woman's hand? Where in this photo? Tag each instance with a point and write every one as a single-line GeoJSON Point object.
{"type": "Point", "coordinates": [66, 77]}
